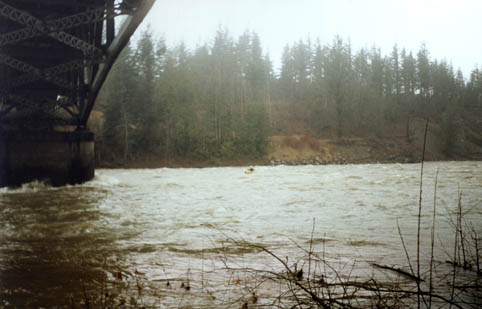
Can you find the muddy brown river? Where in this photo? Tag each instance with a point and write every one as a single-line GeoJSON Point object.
{"type": "Point", "coordinates": [139, 237]}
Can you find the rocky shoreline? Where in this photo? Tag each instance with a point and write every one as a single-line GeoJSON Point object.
{"type": "Point", "coordinates": [340, 160]}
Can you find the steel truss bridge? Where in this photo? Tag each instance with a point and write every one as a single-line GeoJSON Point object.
{"type": "Point", "coordinates": [56, 54]}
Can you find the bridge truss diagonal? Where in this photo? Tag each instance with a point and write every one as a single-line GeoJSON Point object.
{"type": "Point", "coordinates": [56, 54]}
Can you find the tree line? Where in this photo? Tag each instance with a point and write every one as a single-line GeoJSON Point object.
{"type": "Point", "coordinates": [223, 99]}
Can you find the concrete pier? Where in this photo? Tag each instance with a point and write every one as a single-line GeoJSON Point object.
{"type": "Point", "coordinates": [58, 158]}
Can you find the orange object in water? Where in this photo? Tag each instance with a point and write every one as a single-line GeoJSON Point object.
{"type": "Point", "coordinates": [249, 171]}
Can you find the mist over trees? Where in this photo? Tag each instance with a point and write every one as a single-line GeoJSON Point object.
{"type": "Point", "coordinates": [224, 100]}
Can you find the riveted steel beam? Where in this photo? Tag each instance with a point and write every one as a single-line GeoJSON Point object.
{"type": "Point", "coordinates": [19, 36]}
{"type": "Point", "coordinates": [32, 71]}
{"type": "Point", "coordinates": [39, 27]}
{"type": "Point", "coordinates": [65, 67]}
{"type": "Point", "coordinates": [18, 65]}
{"type": "Point", "coordinates": [73, 41]}
{"type": "Point", "coordinates": [16, 15]}
{"type": "Point", "coordinates": [49, 73]}
{"type": "Point", "coordinates": [64, 23]}
{"type": "Point", "coordinates": [83, 18]}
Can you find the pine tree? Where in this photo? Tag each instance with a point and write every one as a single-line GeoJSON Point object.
{"type": "Point", "coordinates": [147, 136]}
{"type": "Point", "coordinates": [287, 77]}
{"type": "Point", "coordinates": [396, 74]}
{"type": "Point", "coordinates": [424, 82]}
{"type": "Point", "coordinates": [338, 72]}
{"type": "Point", "coordinates": [408, 73]}
{"type": "Point", "coordinates": [120, 91]}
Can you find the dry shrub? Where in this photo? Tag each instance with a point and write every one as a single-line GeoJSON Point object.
{"type": "Point", "coordinates": [301, 142]}
{"type": "Point", "coordinates": [311, 142]}
{"type": "Point", "coordinates": [292, 142]}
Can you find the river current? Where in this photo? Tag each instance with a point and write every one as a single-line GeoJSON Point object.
{"type": "Point", "coordinates": [158, 229]}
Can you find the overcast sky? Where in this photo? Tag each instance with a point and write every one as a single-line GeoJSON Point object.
{"type": "Point", "coordinates": [451, 29]}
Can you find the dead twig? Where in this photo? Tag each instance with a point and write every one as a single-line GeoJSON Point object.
{"type": "Point", "coordinates": [399, 271]}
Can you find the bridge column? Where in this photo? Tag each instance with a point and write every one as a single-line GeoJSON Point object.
{"type": "Point", "coordinates": [56, 157]}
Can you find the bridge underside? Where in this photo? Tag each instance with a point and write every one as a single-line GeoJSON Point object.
{"type": "Point", "coordinates": [54, 58]}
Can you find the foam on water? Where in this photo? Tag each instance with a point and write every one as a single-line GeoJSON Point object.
{"type": "Point", "coordinates": [30, 187]}
{"type": "Point", "coordinates": [102, 179]}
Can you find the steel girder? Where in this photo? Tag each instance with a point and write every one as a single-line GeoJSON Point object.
{"type": "Point", "coordinates": [77, 45]}
{"type": "Point", "coordinates": [64, 23]}
{"type": "Point", "coordinates": [49, 74]}
{"type": "Point", "coordinates": [36, 27]}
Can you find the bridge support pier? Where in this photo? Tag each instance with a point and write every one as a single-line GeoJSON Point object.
{"type": "Point", "coordinates": [56, 157]}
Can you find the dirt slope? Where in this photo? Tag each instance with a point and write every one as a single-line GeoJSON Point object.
{"type": "Point", "coordinates": [299, 149]}
{"type": "Point", "coordinates": [303, 149]}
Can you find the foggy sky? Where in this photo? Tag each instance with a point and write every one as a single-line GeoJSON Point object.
{"type": "Point", "coordinates": [451, 29]}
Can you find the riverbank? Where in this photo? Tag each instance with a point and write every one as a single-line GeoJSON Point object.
{"type": "Point", "coordinates": [299, 145]}
{"type": "Point", "coordinates": [306, 150]}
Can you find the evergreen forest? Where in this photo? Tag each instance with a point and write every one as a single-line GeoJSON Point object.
{"type": "Point", "coordinates": [223, 99]}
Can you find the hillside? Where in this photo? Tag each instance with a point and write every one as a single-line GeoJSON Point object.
{"type": "Point", "coordinates": [299, 149]}
{"type": "Point", "coordinates": [303, 149]}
